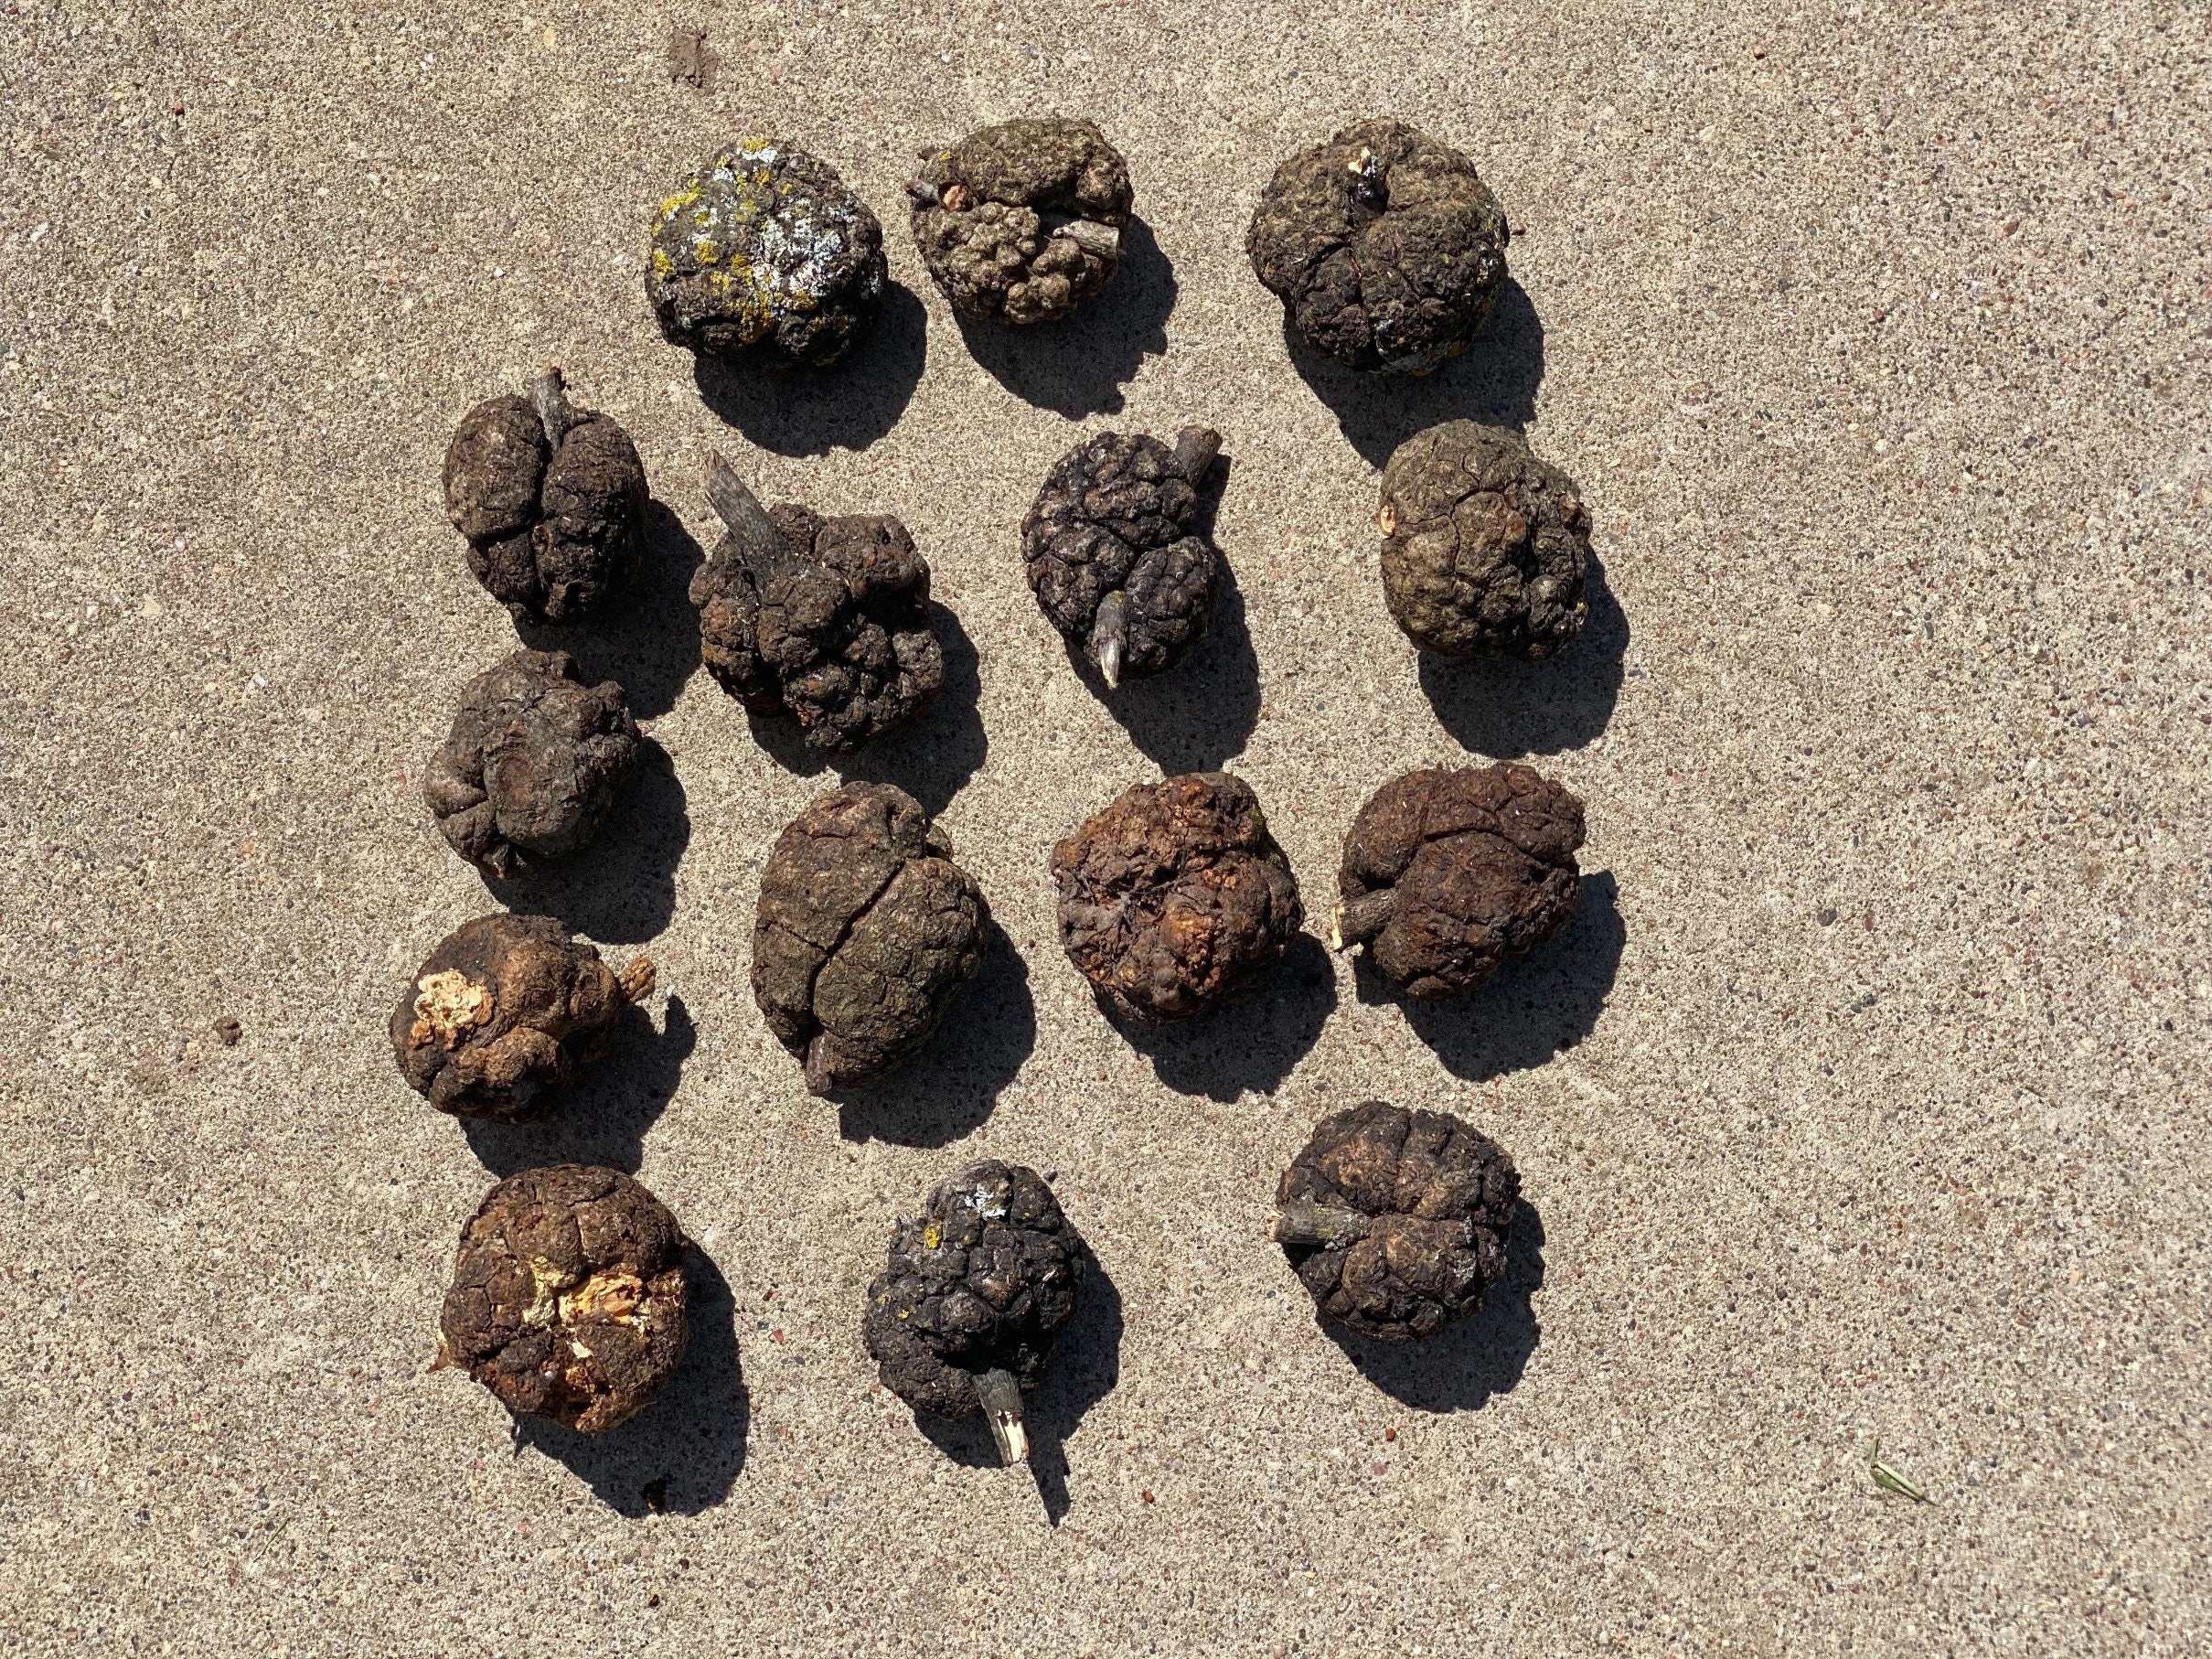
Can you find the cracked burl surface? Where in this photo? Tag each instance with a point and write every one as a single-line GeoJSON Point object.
{"type": "Point", "coordinates": [569, 1299]}
{"type": "Point", "coordinates": [1448, 872]}
{"type": "Point", "coordinates": [1397, 1222]}
{"type": "Point", "coordinates": [865, 933]}
{"type": "Point", "coordinates": [1175, 896]}
{"type": "Point", "coordinates": [1113, 552]}
{"type": "Point", "coordinates": [765, 257]}
{"type": "Point", "coordinates": [825, 620]}
{"type": "Point", "coordinates": [1021, 223]}
{"type": "Point", "coordinates": [1386, 247]}
{"type": "Point", "coordinates": [551, 499]}
{"type": "Point", "coordinates": [1484, 546]}
{"type": "Point", "coordinates": [532, 765]}
{"type": "Point", "coordinates": [504, 1012]}
{"type": "Point", "coordinates": [981, 1281]}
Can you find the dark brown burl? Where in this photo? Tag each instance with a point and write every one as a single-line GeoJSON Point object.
{"type": "Point", "coordinates": [531, 764]}
{"type": "Point", "coordinates": [1397, 1221]}
{"type": "Point", "coordinates": [765, 257]}
{"type": "Point", "coordinates": [825, 620]}
{"type": "Point", "coordinates": [569, 1300]}
{"type": "Point", "coordinates": [866, 931]}
{"type": "Point", "coordinates": [552, 499]}
{"type": "Point", "coordinates": [1022, 221]}
{"type": "Point", "coordinates": [1386, 247]}
{"type": "Point", "coordinates": [1113, 549]}
{"type": "Point", "coordinates": [981, 1281]}
{"type": "Point", "coordinates": [1450, 870]}
{"type": "Point", "coordinates": [505, 1013]}
{"type": "Point", "coordinates": [1484, 546]}
{"type": "Point", "coordinates": [1175, 896]}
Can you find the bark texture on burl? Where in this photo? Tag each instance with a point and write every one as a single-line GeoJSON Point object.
{"type": "Point", "coordinates": [552, 499]}
{"type": "Point", "coordinates": [1448, 872]}
{"type": "Point", "coordinates": [765, 257]}
{"type": "Point", "coordinates": [825, 620]}
{"type": "Point", "coordinates": [570, 1299]}
{"type": "Point", "coordinates": [1386, 247]}
{"type": "Point", "coordinates": [504, 1012]}
{"type": "Point", "coordinates": [1022, 221]}
{"type": "Point", "coordinates": [1484, 546]}
{"type": "Point", "coordinates": [1175, 896]}
{"type": "Point", "coordinates": [866, 931]}
{"type": "Point", "coordinates": [979, 1282]}
{"type": "Point", "coordinates": [1397, 1222]}
{"type": "Point", "coordinates": [530, 766]}
{"type": "Point", "coordinates": [1112, 552]}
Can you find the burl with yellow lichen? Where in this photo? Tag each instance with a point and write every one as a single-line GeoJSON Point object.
{"type": "Point", "coordinates": [975, 1290]}
{"type": "Point", "coordinates": [765, 257]}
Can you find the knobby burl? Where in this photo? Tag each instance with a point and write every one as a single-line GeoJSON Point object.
{"type": "Point", "coordinates": [1485, 547]}
{"type": "Point", "coordinates": [1175, 896]}
{"type": "Point", "coordinates": [1449, 870]}
{"type": "Point", "coordinates": [530, 766]}
{"type": "Point", "coordinates": [1021, 223]}
{"type": "Point", "coordinates": [569, 1299]}
{"type": "Point", "coordinates": [1386, 247]}
{"type": "Point", "coordinates": [1397, 1222]}
{"type": "Point", "coordinates": [824, 620]}
{"type": "Point", "coordinates": [506, 1012]}
{"type": "Point", "coordinates": [552, 499]}
{"type": "Point", "coordinates": [964, 1316]}
{"type": "Point", "coordinates": [866, 931]}
{"type": "Point", "coordinates": [1113, 549]}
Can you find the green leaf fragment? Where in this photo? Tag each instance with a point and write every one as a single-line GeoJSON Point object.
{"type": "Point", "coordinates": [1890, 1479]}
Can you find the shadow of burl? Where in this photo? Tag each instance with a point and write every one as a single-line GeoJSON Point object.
{"type": "Point", "coordinates": [1078, 365]}
{"type": "Point", "coordinates": [682, 1453]}
{"type": "Point", "coordinates": [943, 747]}
{"type": "Point", "coordinates": [647, 643]}
{"type": "Point", "coordinates": [781, 740]}
{"type": "Point", "coordinates": [1250, 1044]}
{"type": "Point", "coordinates": [1531, 1008]}
{"type": "Point", "coordinates": [951, 1085]}
{"type": "Point", "coordinates": [621, 888]}
{"type": "Point", "coordinates": [1505, 708]}
{"type": "Point", "coordinates": [849, 406]}
{"type": "Point", "coordinates": [1086, 1364]}
{"type": "Point", "coordinates": [1202, 711]}
{"type": "Point", "coordinates": [1495, 381]}
{"type": "Point", "coordinates": [604, 1116]}
{"type": "Point", "coordinates": [1462, 1365]}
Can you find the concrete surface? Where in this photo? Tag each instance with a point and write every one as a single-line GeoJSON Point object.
{"type": "Point", "coordinates": [1876, 337]}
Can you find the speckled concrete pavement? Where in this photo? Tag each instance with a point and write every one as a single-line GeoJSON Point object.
{"type": "Point", "coordinates": [1866, 1096]}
